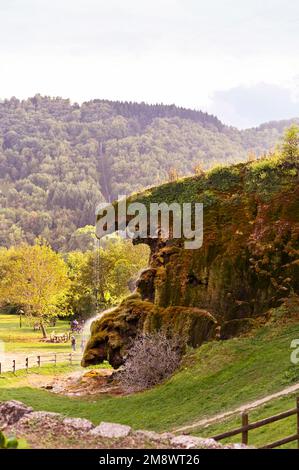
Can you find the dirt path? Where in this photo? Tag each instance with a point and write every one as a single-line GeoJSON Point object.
{"type": "Point", "coordinates": [248, 406]}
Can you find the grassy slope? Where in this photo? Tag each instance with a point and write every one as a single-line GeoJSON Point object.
{"type": "Point", "coordinates": [261, 436]}
{"type": "Point", "coordinates": [217, 377]}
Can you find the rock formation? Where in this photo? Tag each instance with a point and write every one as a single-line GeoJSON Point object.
{"type": "Point", "coordinates": [248, 263]}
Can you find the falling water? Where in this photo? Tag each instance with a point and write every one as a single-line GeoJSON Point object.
{"type": "Point", "coordinates": [87, 326]}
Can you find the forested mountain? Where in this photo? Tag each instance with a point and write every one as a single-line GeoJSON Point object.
{"type": "Point", "coordinates": [58, 159]}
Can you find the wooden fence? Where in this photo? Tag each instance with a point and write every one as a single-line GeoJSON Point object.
{"type": "Point", "coordinates": [246, 427]}
{"type": "Point", "coordinates": [13, 365]}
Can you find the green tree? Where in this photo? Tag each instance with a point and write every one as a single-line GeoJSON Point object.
{"type": "Point", "coordinates": [83, 239]}
{"type": "Point", "coordinates": [290, 145]}
{"type": "Point", "coordinates": [103, 277]}
{"type": "Point", "coordinates": [34, 277]}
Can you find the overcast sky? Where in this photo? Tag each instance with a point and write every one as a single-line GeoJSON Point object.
{"type": "Point", "coordinates": [235, 58]}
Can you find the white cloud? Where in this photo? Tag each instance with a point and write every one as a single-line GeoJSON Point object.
{"type": "Point", "coordinates": [247, 105]}
{"type": "Point", "coordinates": [179, 51]}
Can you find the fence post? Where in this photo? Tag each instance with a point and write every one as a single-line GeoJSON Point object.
{"type": "Point", "coordinates": [71, 359]}
{"type": "Point", "coordinates": [14, 366]}
{"type": "Point", "coordinates": [27, 363]}
{"type": "Point", "coordinates": [55, 359]}
{"type": "Point", "coordinates": [38, 361]}
{"type": "Point", "coordinates": [297, 403]}
{"type": "Point", "coordinates": [245, 433]}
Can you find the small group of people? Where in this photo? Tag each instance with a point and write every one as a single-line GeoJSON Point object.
{"type": "Point", "coordinates": [77, 326]}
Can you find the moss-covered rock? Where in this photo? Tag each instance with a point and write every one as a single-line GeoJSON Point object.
{"type": "Point", "coordinates": [235, 327]}
{"type": "Point", "coordinates": [247, 265]}
{"type": "Point", "coordinates": [113, 332]}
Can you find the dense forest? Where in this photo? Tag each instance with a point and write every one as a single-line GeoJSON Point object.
{"type": "Point", "coordinates": [59, 159]}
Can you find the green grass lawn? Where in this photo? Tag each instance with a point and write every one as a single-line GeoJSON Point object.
{"type": "Point", "coordinates": [266, 434]}
{"type": "Point", "coordinates": [25, 340]}
{"type": "Point", "coordinates": [217, 377]}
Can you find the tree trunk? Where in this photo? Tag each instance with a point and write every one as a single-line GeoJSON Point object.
{"type": "Point", "coordinates": [43, 329]}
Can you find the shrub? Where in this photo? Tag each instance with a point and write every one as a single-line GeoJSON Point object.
{"type": "Point", "coordinates": [8, 443]}
{"type": "Point", "coordinates": [151, 359]}
{"type": "Point", "coordinates": [224, 178]}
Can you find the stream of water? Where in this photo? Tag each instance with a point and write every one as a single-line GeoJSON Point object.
{"type": "Point", "coordinates": [87, 326]}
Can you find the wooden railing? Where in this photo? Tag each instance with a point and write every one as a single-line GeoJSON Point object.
{"type": "Point", "coordinates": [246, 427]}
{"type": "Point", "coordinates": [13, 365]}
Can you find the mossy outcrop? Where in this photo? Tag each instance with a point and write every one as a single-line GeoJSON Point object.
{"type": "Point", "coordinates": [112, 333]}
{"type": "Point", "coordinates": [248, 263]}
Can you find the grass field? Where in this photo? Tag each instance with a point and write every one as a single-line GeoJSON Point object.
{"type": "Point", "coordinates": [25, 340]}
{"type": "Point", "coordinates": [217, 377]}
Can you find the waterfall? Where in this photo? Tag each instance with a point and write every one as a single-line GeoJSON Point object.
{"type": "Point", "coordinates": [87, 326]}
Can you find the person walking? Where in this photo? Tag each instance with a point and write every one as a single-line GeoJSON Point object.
{"type": "Point", "coordinates": [73, 342]}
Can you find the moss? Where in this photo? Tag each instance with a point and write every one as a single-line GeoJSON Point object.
{"type": "Point", "coordinates": [225, 178]}
{"type": "Point", "coordinates": [110, 340]}
{"type": "Point", "coordinates": [237, 327]}
{"type": "Point", "coordinates": [247, 265]}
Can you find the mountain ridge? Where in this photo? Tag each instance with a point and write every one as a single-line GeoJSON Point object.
{"type": "Point", "coordinates": [58, 160]}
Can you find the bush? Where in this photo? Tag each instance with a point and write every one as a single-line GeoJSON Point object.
{"type": "Point", "coordinates": [151, 359]}
{"type": "Point", "coordinates": [8, 443]}
{"type": "Point", "coordinates": [224, 178]}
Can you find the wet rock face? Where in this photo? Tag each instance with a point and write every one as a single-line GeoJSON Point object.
{"type": "Point", "coordinates": [249, 262]}
{"type": "Point", "coordinates": [146, 286]}
{"type": "Point", "coordinates": [242, 270]}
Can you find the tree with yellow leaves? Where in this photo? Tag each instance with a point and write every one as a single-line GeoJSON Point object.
{"type": "Point", "coordinates": [290, 144]}
{"type": "Point", "coordinates": [198, 170]}
{"type": "Point", "coordinates": [172, 174]}
{"type": "Point", "coordinates": [35, 278]}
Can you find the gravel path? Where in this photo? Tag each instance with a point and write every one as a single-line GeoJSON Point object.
{"type": "Point", "coordinates": [248, 406]}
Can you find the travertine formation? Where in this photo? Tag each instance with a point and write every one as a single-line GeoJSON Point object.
{"type": "Point", "coordinates": [248, 263]}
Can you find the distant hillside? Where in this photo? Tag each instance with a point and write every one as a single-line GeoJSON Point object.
{"type": "Point", "coordinates": [57, 159]}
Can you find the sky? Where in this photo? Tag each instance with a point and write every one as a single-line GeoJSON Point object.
{"type": "Point", "coordinates": [237, 59]}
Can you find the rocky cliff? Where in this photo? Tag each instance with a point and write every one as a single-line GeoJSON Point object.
{"type": "Point", "coordinates": [248, 262]}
